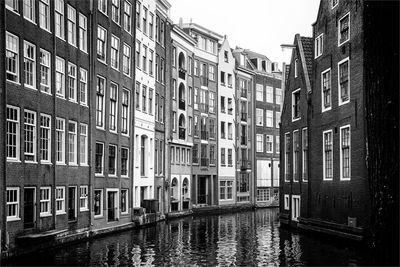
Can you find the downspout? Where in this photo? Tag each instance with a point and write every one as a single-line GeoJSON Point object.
{"type": "Point", "coordinates": [91, 128]}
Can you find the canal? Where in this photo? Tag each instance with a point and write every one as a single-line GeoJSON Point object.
{"type": "Point", "coordinates": [250, 238]}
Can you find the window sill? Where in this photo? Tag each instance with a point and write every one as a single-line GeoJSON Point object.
{"type": "Point", "coordinates": [16, 83]}
{"type": "Point", "coordinates": [61, 213]}
{"type": "Point", "coordinates": [13, 161]}
{"type": "Point", "coordinates": [61, 163]}
{"type": "Point", "coordinates": [73, 164]}
{"type": "Point", "coordinates": [84, 210]}
{"type": "Point", "coordinates": [13, 219]}
{"type": "Point", "coordinates": [99, 175]}
{"type": "Point", "coordinates": [30, 87]}
{"type": "Point", "coordinates": [45, 215]}
{"type": "Point", "coordinates": [46, 163]}
{"type": "Point", "coordinates": [30, 162]}
{"type": "Point", "coordinates": [96, 217]}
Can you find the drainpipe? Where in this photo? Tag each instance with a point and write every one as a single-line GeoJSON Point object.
{"type": "Point", "coordinates": [90, 122]}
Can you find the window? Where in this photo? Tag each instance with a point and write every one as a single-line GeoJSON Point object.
{"type": "Point", "coordinates": [345, 153]}
{"type": "Point", "coordinates": [29, 10]}
{"type": "Point", "coordinates": [71, 25]}
{"type": "Point", "coordinates": [72, 82]}
{"type": "Point", "coordinates": [138, 7]}
{"type": "Point", "coordinates": [327, 155]}
{"type": "Point", "coordinates": [212, 155]}
{"type": "Point", "coordinates": [222, 156]}
{"type": "Point", "coordinates": [259, 92]}
{"type": "Point", "coordinates": [344, 81]}
{"type": "Point", "coordinates": [137, 58]}
{"type": "Point", "coordinates": [83, 79]}
{"type": "Point", "coordinates": [211, 73]}
{"type": "Point", "coordinates": [260, 143]}
{"type": "Point", "coordinates": [161, 110]}
{"type": "Point", "coordinates": [12, 5]}
{"type": "Point", "coordinates": [113, 107]}
{"type": "Point", "coordinates": [230, 106]}
{"type": "Point", "coordinates": [270, 142]}
{"type": "Point", "coordinates": [277, 144]}
{"type": "Point", "coordinates": [124, 200]}
{"type": "Point", "coordinates": [12, 61]}
{"type": "Point", "coordinates": [59, 18]}
{"type": "Point", "coordinates": [143, 156]}
{"type": "Point", "coordinates": [319, 45]}
{"type": "Point", "coordinates": [295, 207]}
{"type": "Point", "coordinates": [287, 156]}
{"type": "Point", "coordinates": [296, 105]}
{"type": "Point", "coordinates": [124, 161]}
{"type": "Point", "coordinates": [60, 199]}
{"type": "Point", "coordinates": [190, 125]}
{"type": "Point", "coordinates": [29, 64]}
{"type": "Point", "coordinates": [270, 94]}
{"type": "Point", "coordinates": [144, 58]}
{"type": "Point", "coordinates": [222, 104]}
{"type": "Point", "coordinates": [278, 96]}
{"type": "Point", "coordinates": [144, 98]}
{"type": "Point", "coordinates": [83, 144]}
{"type": "Point", "coordinates": [230, 131]}
{"type": "Point", "coordinates": [144, 18]}
{"type": "Point", "coordinates": [44, 14]}
{"type": "Point", "coordinates": [114, 52]}
{"type": "Point", "coordinates": [83, 198]}
{"type": "Point", "coordinates": [277, 119]}
{"type": "Point", "coordinates": [196, 68]}
{"type": "Point", "coordinates": [334, 3]}
{"type": "Point", "coordinates": [259, 117]}
{"type": "Point", "coordinates": [195, 154]}
{"type": "Point", "coordinates": [45, 201]}
{"type": "Point", "coordinates": [151, 59]}
{"type": "Point", "coordinates": [304, 145]}
{"type": "Point", "coordinates": [296, 147]}
{"type": "Point", "coordinates": [125, 112]}
{"type": "Point", "coordinates": [162, 70]}
{"type": "Point", "coordinates": [60, 140]}
{"type": "Point", "coordinates": [229, 80]}
{"type": "Point", "coordinates": [60, 76]}
{"type": "Point", "coordinates": [326, 90]}
{"type": "Point", "coordinates": [72, 143]}
{"type": "Point", "coordinates": [115, 11]}
{"type": "Point", "coordinates": [13, 133]}
{"type": "Point", "coordinates": [126, 60]}
{"type": "Point", "coordinates": [270, 118]}
{"type": "Point", "coordinates": [137, 91]}
{"type": "Point", "coordinates": [286, 202]}
{"type": "Point", "coordinates": [82, 33]}
{"type": "Point", "coordinates": [222, 74]}
{"type": "Point", "coordinates": [99, 160]}
{"type": "Point", "coordinates": [45, 74]}
{"type": "Point", "coordinates": [174, 121]}
{"type": "Point", "coordinates": [225, 190]}
{"type": "Point", "coordinates": [151, 92]}
{"type": "Point", "coordinates": [173, 57]}
{"type": "Point", "coordinates": [12, 203]}
{"type": "Point", "coordinates": [98, 202]}
{"type": "Point", "coordinates": [103, 6]}
{"type": "Point", "coordinates": [230, 159]}
{"type": "Point", "coordinates": [30, 136]}
{"type": "Point", "coordinates": [178, 155]}
{"type": "Point", "coordinates": [101, 44]}
{"type": "Point", "coordinates": [112, 160]}
{"type": "Point", "coordinates": [127, 16]}
{"type": "Point", "coordinates": [223, 130]}
{"type": "Point", "coordinates": [344, 29]}
{"type": "Point", "coordinates": [45, 138]}
{"type": "Point", "coordinates": [162, 36]}
{"type": "Point", "coordinates": [151, 26]}
{"type": "Point", "coordinates": [101, 83]}
{"type": "Point", "coordinates": [296, 68]}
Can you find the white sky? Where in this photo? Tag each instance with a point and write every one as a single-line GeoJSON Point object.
{"type": "Point", "coordinates": [259, 25]}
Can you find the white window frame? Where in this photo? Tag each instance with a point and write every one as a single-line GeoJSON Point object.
{"type": "Point", "coordinates": [83, 82]}
{"type": "Point", "coordinates": [259, 92]}
{"type": "Point", "coordinates": [323, 155]}
{"type": "Point", "coordinates": [13, 7]}
{"type": "Point", "coordinates": [60, 71]}
{"type": "Point", "coordinates": [83, 33]}
{"type": "Point", "coordinates": [83, 144]}
{"type": "Point", "coordinates": [269, 139]}
{"type": "Point", "coordinates": [12, 47]}
{"type": "Point", "coordinates": [125, 111]}
{"type": "Point", "coordinates": [34, 136]}
{"type": "Point", "coordinates": [15, 217]}
{"type": "Point", "coordinates": [287, 170]}
{"type": "Point", "coordinates": [101, 203]}
{"type": "Point", "coordinates": [43, 128]}
{"type": "Point", "coordinates": [294, 210]}
{"type": "Point", "coordinates": [278, 92]}
{"type": "Point", "coordinates": [114, 52]}
{"type": "Point", "coordinates": [349, 82]}
{"type": "Point", "coordinates": [74, 134]}
{"type": "Point", "coordinates": [295, 161]}
{"type": "Point", "coordinates": [59, 122]}
{"type": "Point", "coordinates": [334, 5]}
{"type": "Point", "coordinates": [17, 133]}
{"type": "Point", "coordinates": [277, 119]}
{"type": "Point", "coordinates": [113, 111]}
{"type": "Point", "coordinates": [71, 25]}
{"type": "Point", "coordinates": [48, 200]}
{"type": "Point", "coordinates": [102, 160]}
{"type": "Point", "coordinates": [72, 82]}
{"type": "Point", "coordinates": [62, 200]}
{"type": "Point", "coordinates": [59, 12]}
{"type": "Point", "coordinates": [100, 99]}
{"type": "Point", "coordinates": [258, 141]}
{"type": "Point", "coordinates": [269, 122]}
{"type": "Point", "coordinates": [31, 13]}
{"type": "Point", "coordinates": [258, 111]}
{"type": "Point", "coordinates": [296, 71]}
{"type": "Point", "coordinates": [323, 108]}
{"type": "Point", "coordinates": [83, 198]}
{"type": "Point", "coordinates": [115, 161]}
{"type": "Point", "coordinates": [44, 15]}
{"type": "Point", "coordinates": [128, 16]}
{"type": "Point", "coordinates": [31, 59]}
{"type": "Point", "coordinates": [341, 153]}
{"type": "Point", "coordinates": [319, 45]}
{"type": "Point", "coordinates": [103, 4]}
{"type": "Point", "coordinates": [286, 201]}
{"type": "Point", "coordinates": [269, 91]}
{"type": "Point", "coordinates": [126, 60]}
{"type": "Point", "coordinates": [126, 201]}
{"type": "Point", "coordinates": [102, 40]}
{"type": "Point", "coordinates": [115, 11]}
{"type": "Point", "coordinates": [293, 99]}
{"type": "Point", "coordinates": [45, 68]}
{"type": "Point", "coordinates": [304, 154]}
{"type": "Point", "coordinates": [127, 162]}
{"type": "Point", "coordinates": [338, 27]}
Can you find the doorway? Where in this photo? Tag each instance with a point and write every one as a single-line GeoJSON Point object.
{"type": "Point", "coordinates": [71, 203]}
{"type": "Point", "coordinates": [29, 207]}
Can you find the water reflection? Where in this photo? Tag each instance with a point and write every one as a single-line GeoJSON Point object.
{"type": "Point", "coordinates": [240, 239]}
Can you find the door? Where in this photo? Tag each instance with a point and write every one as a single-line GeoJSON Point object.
{"type": "Point", "coordinates": [29, 207]}
{"type": "Point", "coordinates": [71, 203]}
{"type": "Point", "coordinates": [111, 207]}
{"type": "Point", "coordinates": [202, 195]}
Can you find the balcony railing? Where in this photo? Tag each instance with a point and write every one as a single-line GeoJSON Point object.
{"type": "Point", "coordinates": [204, 81]}
{"type": "Point", "coordinates": [243, 140]}
{"type": "Point", "coordinates": [243, 116]}
{"type": "Point", "coordinates": [182, 104]}
{"type": "Point", "coordinates": [182, 73]}
{"type": "Point", "coordinates": [243, 93]}
{"type": "Point", "coordinates": [182, 133]}
{"type": "Point", "coordinates": [204, 135]}
{"type": "Point", "coordinates": [203, 108]}
{"type": "Point", "coordinates": [204, 162]}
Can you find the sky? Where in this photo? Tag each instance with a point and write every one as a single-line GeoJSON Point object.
{"type": "Point", "coordinates": [259, 25]}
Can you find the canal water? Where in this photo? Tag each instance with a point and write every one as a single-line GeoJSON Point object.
{"type": "Point", "coordinates": [251, 238]}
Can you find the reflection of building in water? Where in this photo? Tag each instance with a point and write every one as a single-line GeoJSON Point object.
{"type": "Point", "coordinates": [226, 242]}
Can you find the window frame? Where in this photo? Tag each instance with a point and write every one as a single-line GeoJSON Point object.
{"type": "Point", "coordinates": [101, 202]}
{"type": "Point", "coordinates": [71, 22]}
{"type": "Point", "coordinates": [45, 67]}
{"type": "Point", "coordinates": [73, 85]}
{"type": "Point", "coordinates": [83, 32]}
{"type": "Point", "coordinates": [349, 81]}
{"type": "Point", "coordinates": [286, 199]}
{"type": "Point", "coordinates": [103, 41]}
{"type": "Point", "coordinates": [318, 46]}
{"type": "Point", "coordinates": [17, 216]}
{"type": "Point", "coordinates": [63, 147]}
{"type": "Point", "coordinates": [114, 174]}
{"type": "Point", "coordinates": [258, 142]}
{"type": "Point", "coordinates": [323, 108]}
{"type": "Point", "coordinates": [62, 200]}
{"type": "Point", "coordinates": [74, 134]}
{"type": "Point", "coordinates": [324, 156]}
{"type": "Point", "coordinates": [127, 162]}
{"type": "Point", "coordinates": [115, 47]}
{"type": "Point", "coordinates": [339, 29]}
{"type": "Point", "coordinates": [102, 160]}
{"type": "Point", "coordinates": [293, 100]}
{"type": "Point", "coordinates": [34, 137]}
{"type": "Point", "coordinates": [48, 127]}
{"type": "Point", "coordinates": [83, 196]}
{"type": "Point", "coordinates": [15, 52]}
{"type": "Point", "coordinates": [33, 62]}
{"type": "Point", "coordinates": [45, 5]}
{"type": "Point", "coordinates": [59, 11]}
{"type": "Point", "coordinates": [341, 153]}
{"type": "Point", "coordinates": [85, 144]}
{"type": "Point", "coordinates": [48, 200]}
{"type": "Point", "coordinates": [17, 134]}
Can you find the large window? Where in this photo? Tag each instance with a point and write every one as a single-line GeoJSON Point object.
{"type": "Point", "coordinates": [295, 207]}
{"type": "Point", "coordinates": [287, 157]}
{"type": "Point", "coordinates": [137, 55]}
{"type": "Point", "coordinates": [60, 140]}
{"type": "Point", "coordinates": [45, 71]}
{"type": "Point", "coordinates": [259, 117]}
{"type": "Point", "coordinates": [223, 151]}
{"type": "Point", "coordinates": [100, 91]}
{"type": "Point", "coordinates": [72, 72]}
{"type": "Point", "coordinates": [30, 136]}
{"type": "Point", "coordinates": [270, 118]}
{"type": "Point", "coordinates": [278, 96]}
{"type": "Point", "coordinates": [114, 52]}
{"type": "Point", "coordinates": [260, 142]}
{"type": "Point", "coordinates": [12, 61]}
{"type": "Point", "coordinates": [83, 80]}
{"type": "Point", "coordinates": [344, 81]}
{"type": "Point", "coordinates": [98, 202]}
{"type": "Point", "coordinates": [151, 25]}
{"type": "Point", "coordinates": [225, 190]}
{"type": "Point", "coordinates": [113, 107]}
{"type": "Point", "coordinates": [127, 16]}
{"type": "Point", "coordinates": [143, 156]}
{"type": "Point", "coordinates": [45, 138]}
{"type": "Point", "coordinates": [44, 14]}
{"type": "Point", "coordinates": [124, 200]}
{"type": "Point", "coordinates": [151, 60]}
{"type": "Point", "coordinates": [71, 25]}
{"type": "Point", "coordinates": [304, 146]}
{"type": "Point", "coordinates": [72, 143]}
{"type": "Point", "coordinates": [12, 5]}
{"type": "Point", "coordinates": [259, 92]}
{"type": "Point", "coordinates": [82, 32]}
{"type": "Point", "coordinates": [144, 59]}
{"type": "Point", "coordinates": [144, 98]}
{"type": "Point", "coordinates": [59, 18]}
{"type": "Point", "coordinates": [126, 60]}
{"type": "Point", "coordinates": [124, 161]}
{"type": "Point", "coordinates": [327, 155]}
{"type": "Point", "coordinates": [345, 153]}
{"type": "Point", "coordinates": [45, 201]}
{"type": "Point", "coordinates": [277, 119]}
{"type": "Point", "coordinates": [83, 144]}
{"type": "Point", "coordinates": [319, 45]}
{"type": "Point", "coordinates": [344, 29]}
{"type": "Point", "coordinates": [270, 143]}
{"type": "Point", "coordinates": [12, 203]}
{"type": "Point", "coordinates": [125, 112]}
{"type": "Point", "coordinates": [99, 159]}
{"type": "Point", "coordinates": [83, 198]}
{"type": "Point", "coordinates": [296, 148]}
{"type": "Point", "coordinates": [60, 199]}
{"type": "Point", "coordinates": [101, 43]}
{"type": "Point", "coordinates": [115, 11]}
{"type": "Point", "coordinates": [29, 64]}
{"type": "Point", "coordinates": [60, 77]}
{"type": "Point", "coordinates": [270, 94]}
{"type": "Point", "coordinates": [144, 18]}
{"type": "Point", "coordinates": [326, 90]}
{"type": "Point", "coordinates": [230, 157]}
{"type": "Point", "coordinates": [103, 6]}
{"type": "Point", "coordinates": [296, 105]}
{"type": "Point", "coordinates": [13, 133]}
{"type": "Point", "coordinates": [138, 8]}
{"type": "Point", "coordinates": [29, 10]}
{"type": "Point", "coordinates": [112, 160]}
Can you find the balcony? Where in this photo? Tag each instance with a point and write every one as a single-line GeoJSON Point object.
{"type": "Point", "coordinates": [204, 162]}
{"type": "Point", "coordinates": [244, 164]}
{"type": "Point", "coordinates": [203, 81]}
{"type": "Point", "coordinates": [243, 116]}
{"type": "Point", "coordinates": [243, 140]}
{"type": "Point", "coordinates": [204, 135]}
{"type": "Point", "coordinates": [182, 104]}
{"type": "Point", "coordinates": [243, 93]}
{"type": "Point", "coordinates": [181, 73]}
{"type": "Point", "coordinates": [182, 133]}
{"type": "Point", "coordinates": [203, 108]}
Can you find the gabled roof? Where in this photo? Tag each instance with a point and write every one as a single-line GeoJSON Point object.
{"type": "Point", "coordinates": [252, 55]}
{"type": "Point", "coordinates": [307, 43]}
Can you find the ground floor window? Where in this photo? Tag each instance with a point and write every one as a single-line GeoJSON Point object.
{"type": "Point", "coordinates": [12, 203]}
{"type": "Point", "coordinates": [263, 194]}
{"type": "Point", "coordinates": [225, 190]}
{"type": "Point", "coordinates": [286, 202]}
{"type": "Point", "coordinates": [98, 202]}
{"type": "Point", "coordinates": [124, 200]}
{"type": "Point", "coordinates": [295, 207]}
{"type": "Point", "coordinates": [45, 201]}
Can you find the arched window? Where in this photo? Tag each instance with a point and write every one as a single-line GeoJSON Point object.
{"type": "Point", "coordinates": [182, 96]}
{"type": "Point", "coordinates": [181, 61]}
{"type": "Point", "coordinates": [185, 188]}
{"type": "Point", "coordinates": [182, 127]}
{"type": "Point", "coordinates": [174, 189]}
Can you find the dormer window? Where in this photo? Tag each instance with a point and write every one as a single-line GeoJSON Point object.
{"type": "Point", "coordinates": [263, 66]}
{"type": "Point", "coordinates": [319, 45]}
{"type": "Point", "coordinates": [226, 56]}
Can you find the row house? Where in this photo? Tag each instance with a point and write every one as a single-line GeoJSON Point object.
{"type": "Point", "coordinates": [335, 146]}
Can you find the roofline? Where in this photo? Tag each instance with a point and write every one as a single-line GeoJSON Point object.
{"type": "Point", "coordinates": [304, 63]}
{"type": "Point", "coordinates": [184, 35]}
{"type": "Point", "coordinates": [204, 30]}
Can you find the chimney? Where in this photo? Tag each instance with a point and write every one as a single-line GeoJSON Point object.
{"type": "Point", "coordinates": [180, 22]}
